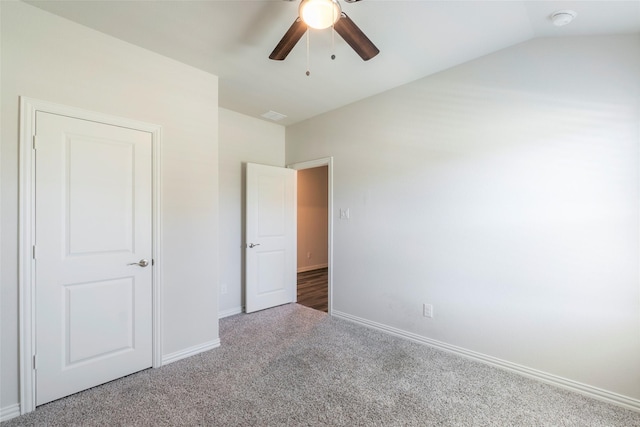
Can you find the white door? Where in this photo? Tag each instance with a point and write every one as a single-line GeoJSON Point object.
{"type": "Point", "coordinates": [271, 237]}
{"type": "Point", "coordinates": [93, 224]}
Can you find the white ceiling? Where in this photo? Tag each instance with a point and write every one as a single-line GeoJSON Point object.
{"type": "Point", "coordinates": [234, 38]}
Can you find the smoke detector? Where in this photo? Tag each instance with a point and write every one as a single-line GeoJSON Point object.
{"type": "Point", "coordinates": [562, 17]}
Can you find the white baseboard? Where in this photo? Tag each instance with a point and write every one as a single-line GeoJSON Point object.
{"type": "Point", "coordinates": [585, 389]}
{"type": "Point", "coordinates": [13, 411]}
{"type": "Point", "coordinates": [230, 312]}
{"type": "Point", "coordinates": [9, 412]}
{"type": "Point", "coordinates": [191, 351]}
{"type": "Point", "coordinates": [312, 267]}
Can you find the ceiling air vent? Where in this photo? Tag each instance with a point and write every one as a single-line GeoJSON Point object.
{"type": "Point", "coordinates": [275, 116]}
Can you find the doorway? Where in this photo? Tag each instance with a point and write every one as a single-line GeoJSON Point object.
{"type": "Point", "coordinates": [314, 228]}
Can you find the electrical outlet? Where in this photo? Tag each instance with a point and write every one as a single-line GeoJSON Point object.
{"type": "Point", "coordinates": [308, 255]}
{"type": "Point", "coordinates": [223, 289]}
{"type": "Point", "coordinates": [427, 310]}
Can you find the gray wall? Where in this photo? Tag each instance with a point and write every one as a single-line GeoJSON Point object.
{"type": "Point", "coordinates": [504, 192]}
{"type": "Point", "coordinates": [52, 59]}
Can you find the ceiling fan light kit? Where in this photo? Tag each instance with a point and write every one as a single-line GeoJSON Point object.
{"type": "Point", "coordinates": [321, 14]}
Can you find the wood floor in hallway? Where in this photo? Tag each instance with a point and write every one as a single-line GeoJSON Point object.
{"type": "Point", "coordinates": [313, 289]}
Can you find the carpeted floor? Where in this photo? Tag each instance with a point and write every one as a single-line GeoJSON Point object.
{"type": "Point", "coordinates": [294, 366]}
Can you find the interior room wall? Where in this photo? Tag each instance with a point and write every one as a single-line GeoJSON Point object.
{"type": "Point", "coordinates": [52, 59]}
{"type": "Point", "coordinates": [504, 192]}
{"type": "Point", "coordinates": [243, 140]}
{"type": "Point", "coordinates": [312, 218]}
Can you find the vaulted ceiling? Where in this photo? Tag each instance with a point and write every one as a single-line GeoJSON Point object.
{"type": "Point", "coordinates": [234, 38]}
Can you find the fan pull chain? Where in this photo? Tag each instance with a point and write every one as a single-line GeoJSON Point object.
{"type": "Point", "coordinates": [333, 37]}
{"type": "Point", "coordinates": [333, 42]}
{"type": "Point", "coordinates": [308, 72]}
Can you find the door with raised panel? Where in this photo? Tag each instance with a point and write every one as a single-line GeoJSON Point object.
{"type": "Point", "coordinates": [93, 276]}
{"type": "Point", "coordinates": [271, 236]}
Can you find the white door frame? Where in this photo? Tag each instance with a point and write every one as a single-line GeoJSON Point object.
{"type": "Point", "coordinates": [328, 162]}
{"type": "Point", "coordinates": [26, 229]}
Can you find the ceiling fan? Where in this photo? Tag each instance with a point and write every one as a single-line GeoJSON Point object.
{"type": "Point", "coordinates": [320, 14]}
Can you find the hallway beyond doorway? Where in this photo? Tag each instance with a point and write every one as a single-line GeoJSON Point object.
{"type": "Point", "coordinates": [313, 289]}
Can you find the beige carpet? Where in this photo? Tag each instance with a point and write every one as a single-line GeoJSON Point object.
{"type": "Point", "coordinates": [293, 366]}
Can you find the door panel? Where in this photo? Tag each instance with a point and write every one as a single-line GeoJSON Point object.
{"type": "Point", "coordinates": [93, 220]}
{"type": "Point", "coordinates": [98, 319]}
{"type": "Point", "coordinates": [271, 229]}
{"type": "Point", "coordinates": [100, 172]}
{"type": "Point", "coordinates": [272, 199]}
{"type": "Point", "coordinates": [271, 271]}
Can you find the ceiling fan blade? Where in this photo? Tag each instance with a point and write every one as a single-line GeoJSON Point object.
{"type": "Point", "coordinates": [354, 36]}
{"type": "Point", "coordinates": [289, 40]}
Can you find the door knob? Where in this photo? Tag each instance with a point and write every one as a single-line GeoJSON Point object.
{"type": "Point", "coordinates": [253, 245]}
{"type": "Point", "coordinates": [141, 263]}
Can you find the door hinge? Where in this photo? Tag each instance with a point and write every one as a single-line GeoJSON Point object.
{"type": "Point", "coordinates": [34, 142]}
{"type": "Point", "coordinates": [33, 251]}
{"type": "Point", "coordinates": [35, 361]}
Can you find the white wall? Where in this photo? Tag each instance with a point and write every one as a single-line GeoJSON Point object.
{"type": "Point", "coordinates": [52, 59]}
{"type": "Point", "coordinates": [312, 218]}
{"type": "Point", "coordinates": [242, 139]}
{"type": "Point", "coordinates": [505, 193]}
